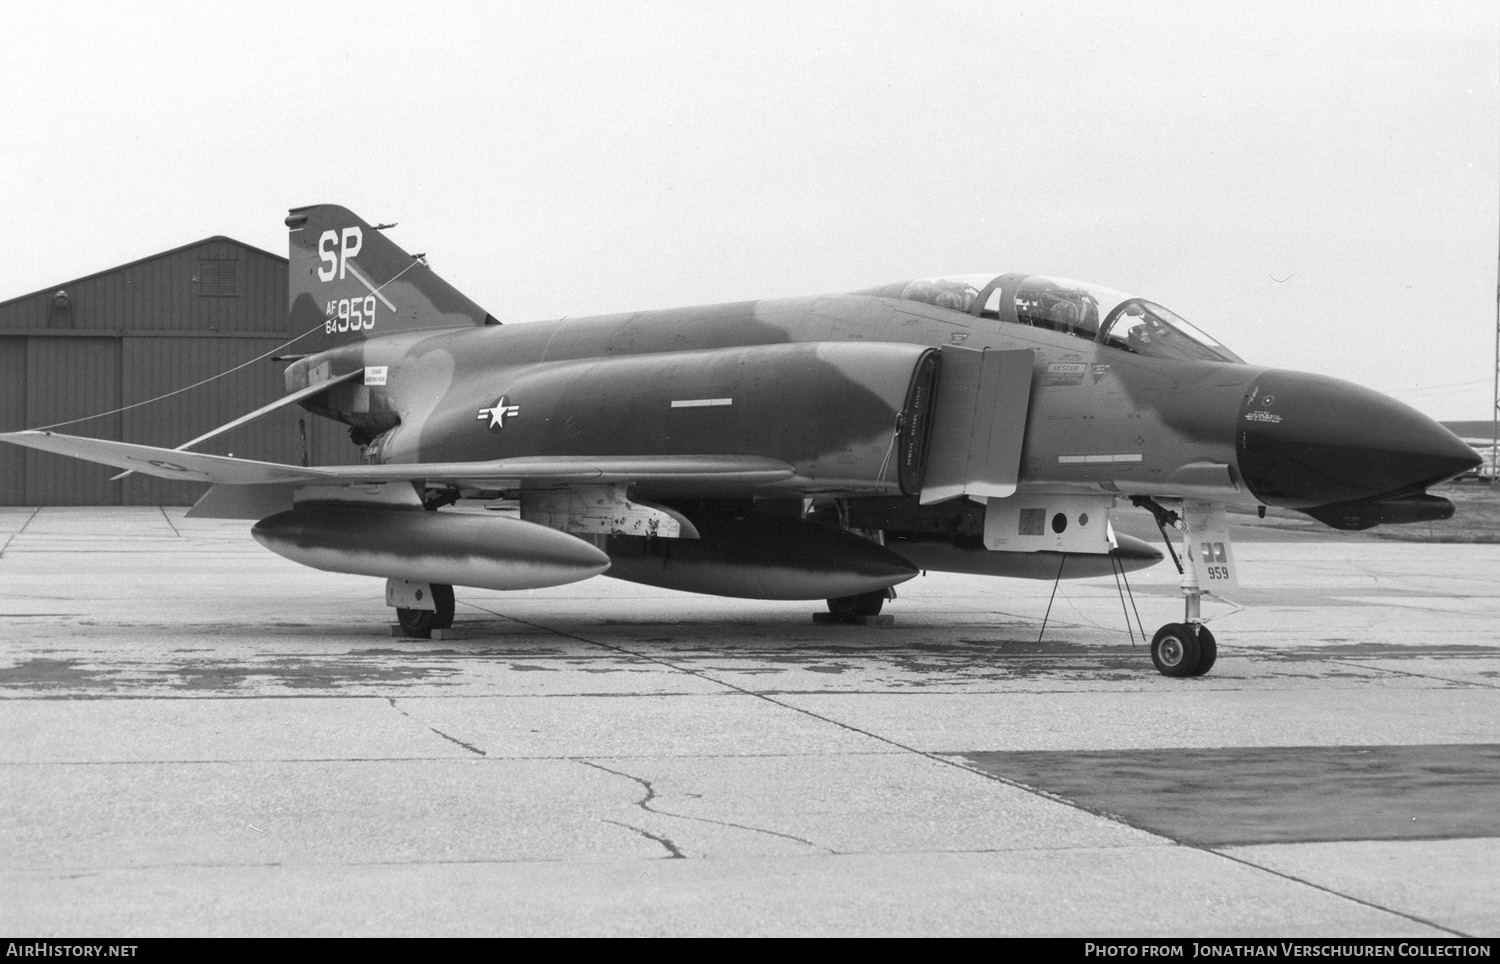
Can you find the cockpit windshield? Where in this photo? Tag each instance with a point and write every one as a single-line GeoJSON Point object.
{"type": "Point", "coordinates": [1077, 308]}
{"type": "Point", "coordinates": [1147, 328]}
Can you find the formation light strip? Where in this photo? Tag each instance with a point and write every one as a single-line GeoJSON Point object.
{"type": "Point", "coordinates": [1090, 459]}
{"type": "Point", "coordinates": [701, 402]}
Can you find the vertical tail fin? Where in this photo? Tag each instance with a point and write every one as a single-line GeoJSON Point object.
{"type": "Point", "coordinates": [347, 282]}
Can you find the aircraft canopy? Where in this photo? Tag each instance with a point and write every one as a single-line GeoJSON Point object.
{"type": "Point", "coordinates": [1078, 308]}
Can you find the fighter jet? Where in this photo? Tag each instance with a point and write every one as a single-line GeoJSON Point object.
{"type": "Point", "coordinates": [826, 447]}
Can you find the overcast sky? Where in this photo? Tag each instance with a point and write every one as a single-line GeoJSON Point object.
{"type": "Point", "coordinates": [1314, 184]}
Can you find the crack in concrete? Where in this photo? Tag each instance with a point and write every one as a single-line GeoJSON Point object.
{"type": "Point", "coordinates": [962, 766]}
{"type": "Point", "coordinates": [1246, 862]}
{"type": "Point", "coordinates": [644, 804]}
{"type": "Point", "coordinates": [672, 852]}
{"type": "Point", "coordinates": [451, 739]}
{"type": "Point", "coordinates": [1406, 672]}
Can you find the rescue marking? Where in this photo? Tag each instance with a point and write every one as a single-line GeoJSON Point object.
{"type": "Point", "coordinates": [701, 402]}
{"type": "Point", "coordinates": [1090, 459]}
{"type": "Point", "coordinates": [375, 374]}
{"type": "Point", "coordinates": [1066, 373]}
{"type": "Point", "coordinates": [498, 413]}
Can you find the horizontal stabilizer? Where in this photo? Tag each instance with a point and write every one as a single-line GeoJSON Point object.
{"type": "Point", "coordinates": [262, 412]}
{"type": "Point", "coordinates": [562, 470]}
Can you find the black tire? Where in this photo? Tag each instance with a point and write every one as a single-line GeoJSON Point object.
{"type": "Point", "coordinates": [1175, 650]}
{"type": "Point", "coordinates": [417, 623]}
{"type": "Point", "coordinates": [847, 609]}
{"type": "Point", "coordinates": [442, 598]}
{"type": "Point", "coordinates": [1208, 652]}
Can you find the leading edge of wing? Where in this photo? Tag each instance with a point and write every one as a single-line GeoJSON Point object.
{"type": "Point", "coordinates": [222, 470]}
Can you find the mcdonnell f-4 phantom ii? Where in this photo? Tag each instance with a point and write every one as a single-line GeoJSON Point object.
{"type": "Point", "coordinates": [824, 447]}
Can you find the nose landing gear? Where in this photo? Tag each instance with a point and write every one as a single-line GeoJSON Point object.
{"type": "Point", "coordinates": [1184, 649]}
{"type": "Point", "coordinates": [1188, 648]}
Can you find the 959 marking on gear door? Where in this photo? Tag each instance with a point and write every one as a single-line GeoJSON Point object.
{"type": "Point", "coordinates": [1215, 559]}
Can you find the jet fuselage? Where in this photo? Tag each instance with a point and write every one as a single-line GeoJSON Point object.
{"type": "Point", "coordinates": [688, 381]}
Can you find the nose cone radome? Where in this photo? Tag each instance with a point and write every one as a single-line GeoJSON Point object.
{"type": "Point", "coordinates": [1307, 440]}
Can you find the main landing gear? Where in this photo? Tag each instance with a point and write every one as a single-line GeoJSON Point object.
{"type": "Point", "coordinates": [862, 607]}
{"type": "Point", "coordinates": [849, 609]}
{"type": "Point", "coordinates": [420, 607]}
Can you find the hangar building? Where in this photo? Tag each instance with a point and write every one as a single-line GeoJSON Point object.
{"type": "Point", "coordinates": [107, 341]}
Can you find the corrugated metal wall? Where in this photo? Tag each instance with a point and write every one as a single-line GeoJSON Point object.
{"type": "Point", "coordinates": [67, 377]}
{"type": "Point", "coordinates": [141, 331]}
{"type": "Point", "coordinates": [13, 407]}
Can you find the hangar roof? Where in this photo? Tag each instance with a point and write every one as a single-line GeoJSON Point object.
{"type": "Point", "coordinates": [49, 289]}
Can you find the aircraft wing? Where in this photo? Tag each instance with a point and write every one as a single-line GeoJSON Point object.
{"type": "Point", "coordinates": [576, 469]}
